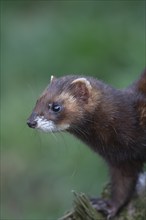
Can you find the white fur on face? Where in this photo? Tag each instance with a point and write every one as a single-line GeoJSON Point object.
{"type": "Point", "coordinates": [48, 125]}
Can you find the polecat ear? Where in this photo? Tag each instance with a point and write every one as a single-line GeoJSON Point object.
{"type": "Point", "coordinates": [52, 79]}
{"type": "Point", "coordinates": [81, 88]}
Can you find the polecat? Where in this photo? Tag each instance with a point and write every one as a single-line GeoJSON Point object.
{"type": "Point", "coordinates": [112, 122]}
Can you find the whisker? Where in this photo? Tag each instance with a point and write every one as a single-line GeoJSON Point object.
{"type": "Point", "coordinates": [80, 131]}
{"type": "Point", "coordinates": [54, 136]}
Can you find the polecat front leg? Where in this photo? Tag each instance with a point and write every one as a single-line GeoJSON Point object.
{"type": "Point", "coordinates": [123, 182]}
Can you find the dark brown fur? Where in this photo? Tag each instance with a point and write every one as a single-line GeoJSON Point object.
{"type": "Point", "coordinates": [112, 122]}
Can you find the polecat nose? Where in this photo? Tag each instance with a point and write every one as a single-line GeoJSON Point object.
{"type": "Point", "coordinates": [32, 124]}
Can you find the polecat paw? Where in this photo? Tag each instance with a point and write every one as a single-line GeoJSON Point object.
{"type": "Point", "coordinates": [104, 206]}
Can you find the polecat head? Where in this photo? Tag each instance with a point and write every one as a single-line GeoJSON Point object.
{"type": "Point", "coordinates": [62, 104]}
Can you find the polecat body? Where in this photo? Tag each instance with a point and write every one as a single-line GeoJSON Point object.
{"type": "Point", "coordinates": [112, 122]}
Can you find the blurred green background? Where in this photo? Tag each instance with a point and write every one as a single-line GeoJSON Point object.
{"type": "Point", "coordinates": [105, 39]}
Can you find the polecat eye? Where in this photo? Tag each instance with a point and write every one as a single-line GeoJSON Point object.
{"type": "Point", "coordinates": [56, 108]}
